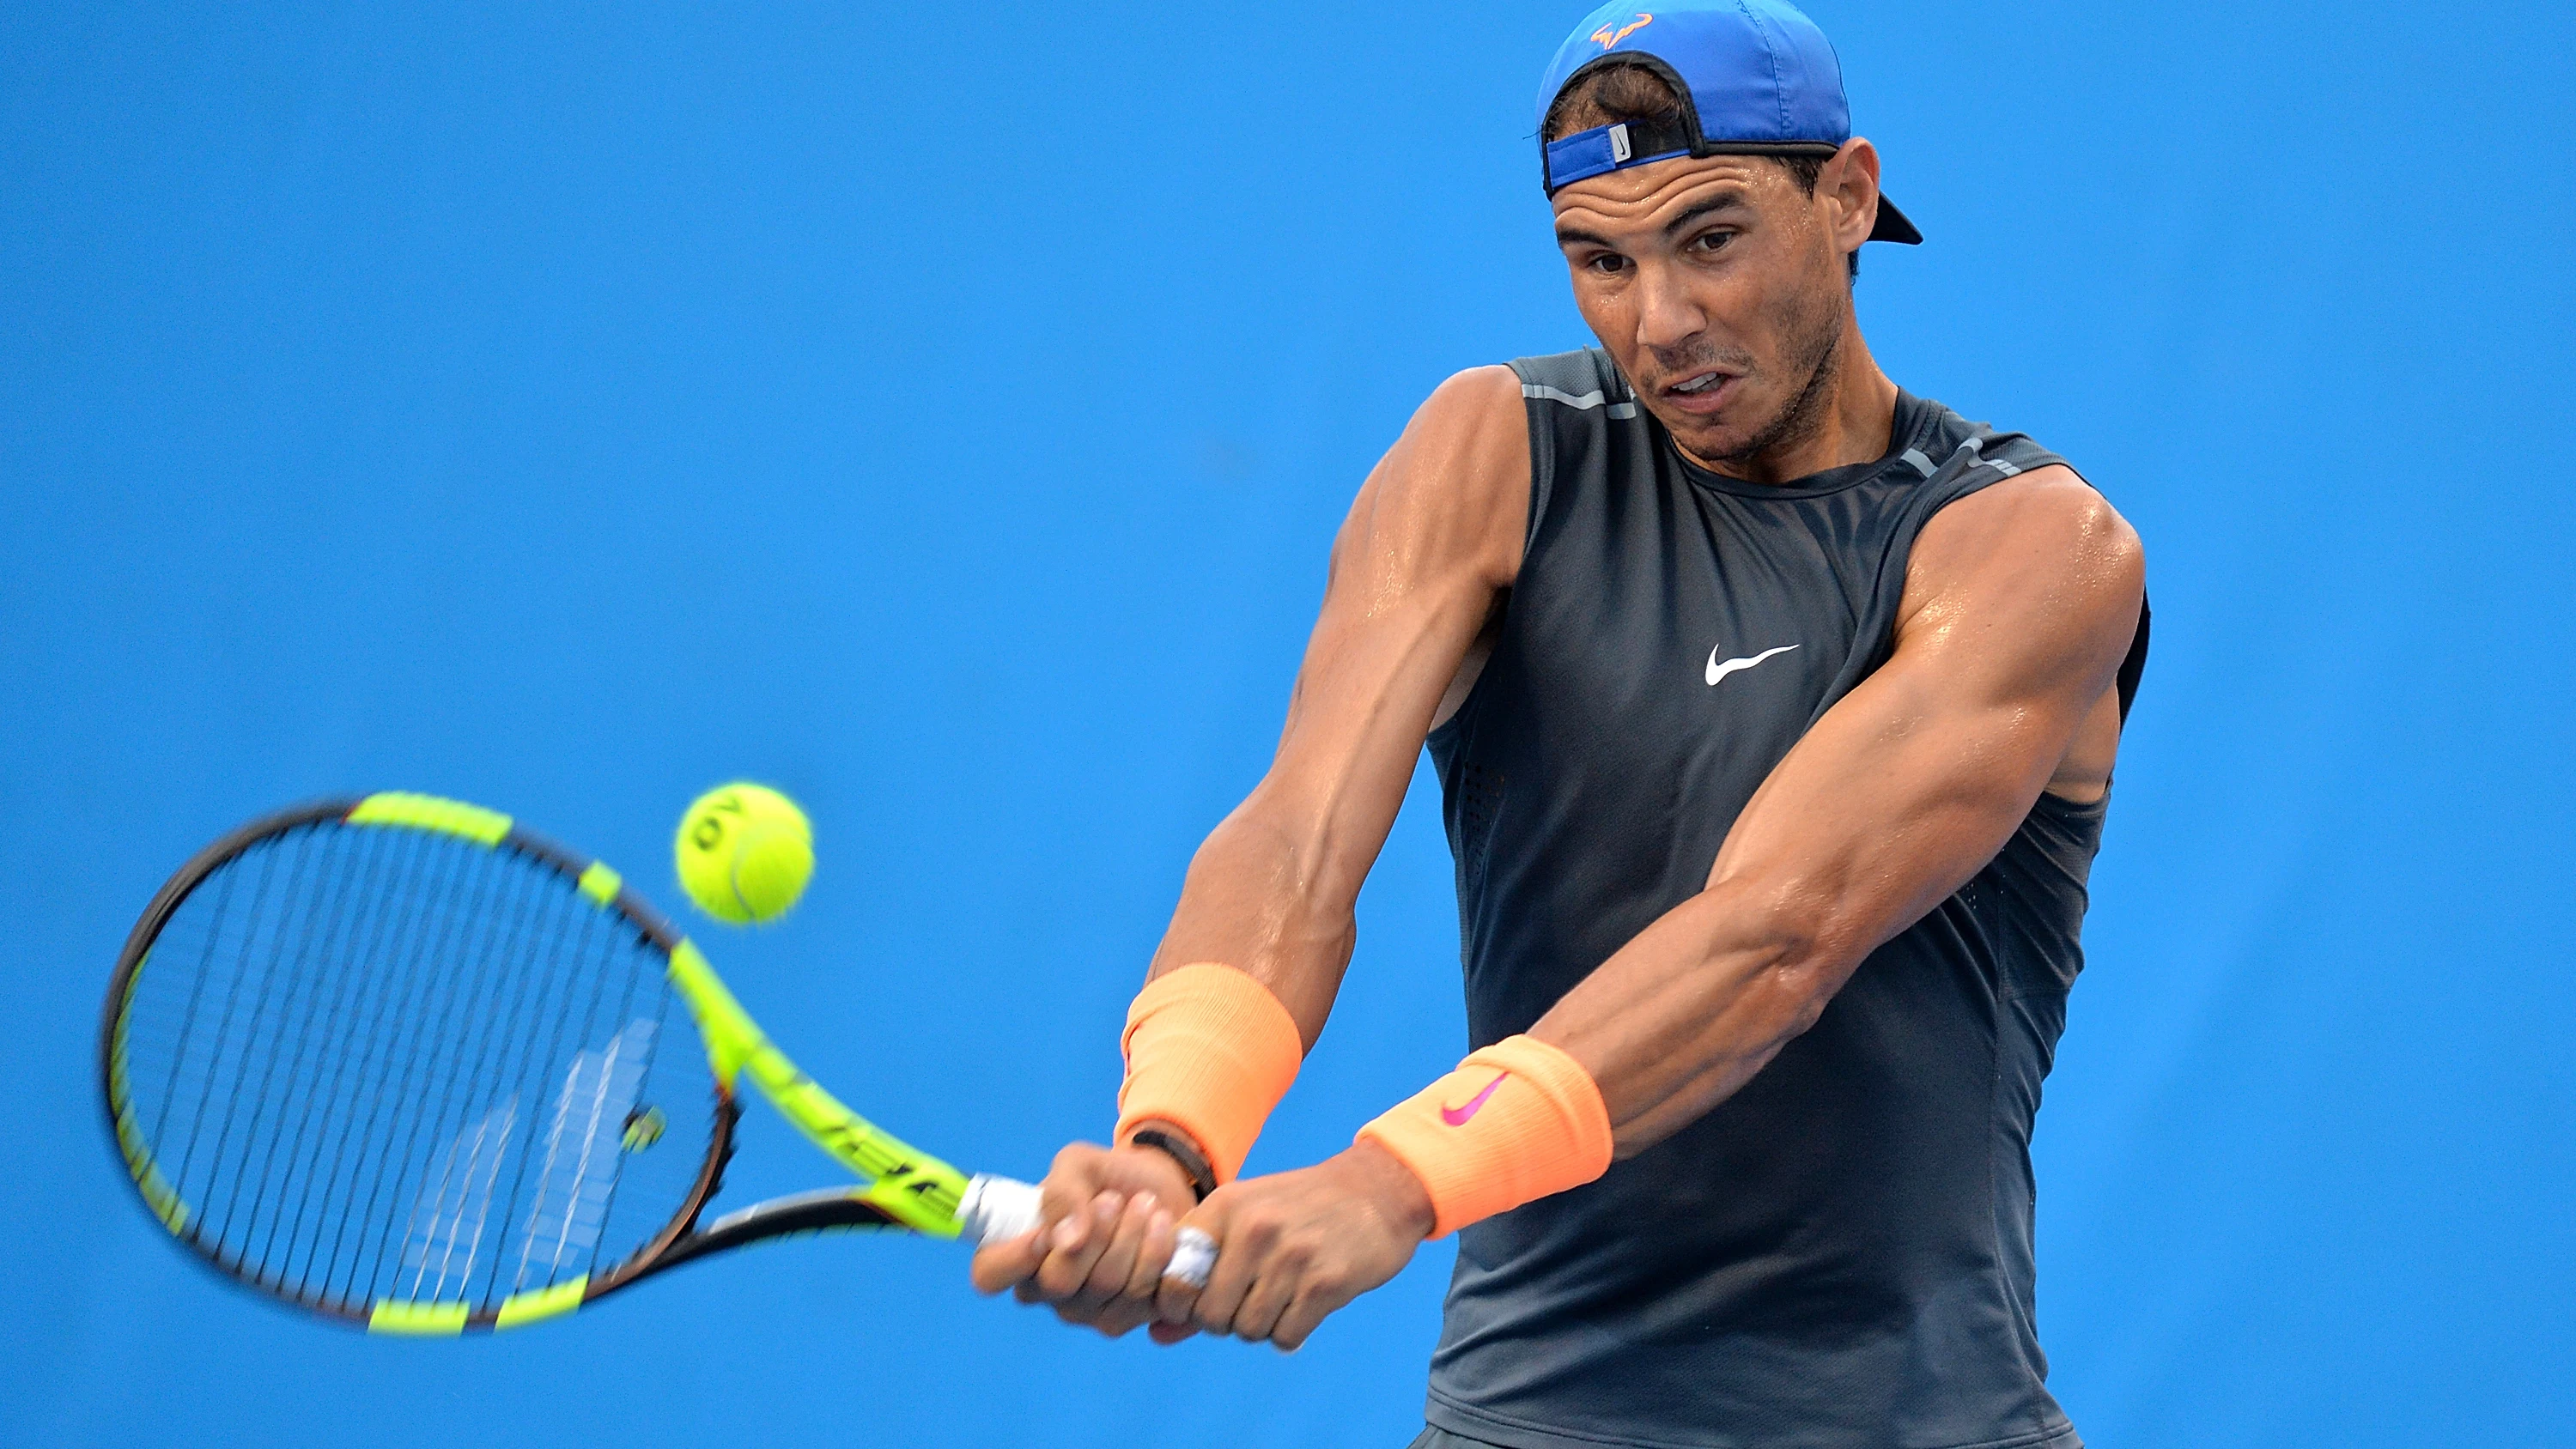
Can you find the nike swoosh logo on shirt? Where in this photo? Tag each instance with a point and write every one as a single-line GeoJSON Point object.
{"type": "Point", "coordinates": [1457, 1116]}
{"type": "Point", "coordinates": [1717, 671]}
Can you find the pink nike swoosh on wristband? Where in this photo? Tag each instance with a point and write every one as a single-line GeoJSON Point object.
{"type": "Point", "coordinates": [1457, 1116]}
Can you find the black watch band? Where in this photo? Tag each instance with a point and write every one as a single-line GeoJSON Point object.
{"type": "Point", "coordinates": [1181, 1150]}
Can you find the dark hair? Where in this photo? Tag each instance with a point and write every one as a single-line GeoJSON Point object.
{"type": "Point", "coordinates": [1609, 94]}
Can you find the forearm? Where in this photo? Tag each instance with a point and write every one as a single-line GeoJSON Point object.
{"type": "Point", "coordinates": [1272, 893]}
{"type": "Point", "coordinates": [1246, 975]}
{"type": "Point", "coordinates": [1696, 1004]}
{"type": "Point", "coordinates": [1899, 794]}
{"type": "Point", "coordinates": [1430, 546]}
{"type": "Point", "coordinates": [1866, 827]}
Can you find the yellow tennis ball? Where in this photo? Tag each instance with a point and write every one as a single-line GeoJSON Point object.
{"type": "Point", "coordinates": [745, 852]}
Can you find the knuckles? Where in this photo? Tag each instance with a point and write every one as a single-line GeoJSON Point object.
{"type": "Point", "coordinates": [1289, 1245]}
{"type": "Point", "coordinates": [1107, 1279]}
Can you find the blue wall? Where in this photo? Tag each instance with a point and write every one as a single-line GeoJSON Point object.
{"type": "Point", "coordinates": [943, 415]}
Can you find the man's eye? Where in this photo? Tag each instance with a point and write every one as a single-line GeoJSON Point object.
{"type": "Point", "coordinates": [1609, 264]}
{"type": "Point", "coordinates": [1709, 241]}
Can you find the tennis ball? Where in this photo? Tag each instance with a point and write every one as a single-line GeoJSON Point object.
{"type": "Point", "coordinates": [744, 852]}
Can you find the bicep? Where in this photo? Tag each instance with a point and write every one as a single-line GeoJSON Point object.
{"type": "Point", "coordinates": [1431, 541]}
{"type": "Point", "coordinates": [2017, 611]}
{"type": "Point", "coordinates": [2019, 605]}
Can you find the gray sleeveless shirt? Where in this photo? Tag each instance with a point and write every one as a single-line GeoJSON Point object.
{"type": "Point", "coordinates": [1840, 1253]}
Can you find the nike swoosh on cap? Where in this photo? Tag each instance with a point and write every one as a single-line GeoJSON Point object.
{"type": "Point", "coordinates": [1717, 671]}
{"type": "Point", "coordinates": [1457, 1116]}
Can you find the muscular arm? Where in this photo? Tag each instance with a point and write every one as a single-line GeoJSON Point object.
{"type": "Point", "coordinates": [1431, 544]}
{"type": "Point", "coordinates": [2019, 605]}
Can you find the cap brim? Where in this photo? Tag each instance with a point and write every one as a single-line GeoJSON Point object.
{"type": "Point", "coordinates": [1892, 225]}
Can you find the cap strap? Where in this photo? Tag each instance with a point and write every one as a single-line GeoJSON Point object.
{"type": "Point", "coordinates": [1608, 148]}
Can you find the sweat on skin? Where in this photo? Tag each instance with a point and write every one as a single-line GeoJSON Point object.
{"type": "Point", "coordinates": [1720, 289]}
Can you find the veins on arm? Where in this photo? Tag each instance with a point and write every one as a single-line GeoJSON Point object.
{"type": "Point", "coordinates": [2019, 605]}
{"type": "Point", "coordinates": [1430, 544]}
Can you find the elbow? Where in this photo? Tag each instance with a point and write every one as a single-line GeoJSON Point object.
{"type": "Point", "coordinates": [1805, 984]}
{"type": "Point", "coordinates": [1792, 952]}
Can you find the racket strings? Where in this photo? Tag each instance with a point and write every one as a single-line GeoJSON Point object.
{"type": "Point", "coordinates": [442, 1235]}
{"type": "Point", "coordinates": [359, 1079]}
{"type": "Point", "coordinates": [382, 1064]}
{"type": "Point", "coordinates": [299, 1135]}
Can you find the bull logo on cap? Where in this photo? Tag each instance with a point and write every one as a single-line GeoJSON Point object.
{"type": "Point", "coordinates": [1607, 37]}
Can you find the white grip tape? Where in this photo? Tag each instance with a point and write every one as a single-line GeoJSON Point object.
{"type": "Point", "coordinates": [996, 1208]}
{"type": "Point", "coordinates": [1193, 1258]}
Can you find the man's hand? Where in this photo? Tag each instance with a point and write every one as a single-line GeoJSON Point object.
{"type": "Point", "coordinates": [1294, 1246]}
{"type": "Point", "coordinates": [1105, 1233]}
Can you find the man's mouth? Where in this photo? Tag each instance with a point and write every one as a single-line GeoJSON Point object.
{"type": "Point", "coordinates": [1700, 392]}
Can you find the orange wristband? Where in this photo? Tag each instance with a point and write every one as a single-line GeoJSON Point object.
{"type": "Point", "coordinates": [1210, 1051]}
{"type": "Point", "coordinates": [1516, 1121]}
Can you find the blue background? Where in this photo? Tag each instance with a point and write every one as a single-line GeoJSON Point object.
{"type": "Point", "coordinates": [943, 413]}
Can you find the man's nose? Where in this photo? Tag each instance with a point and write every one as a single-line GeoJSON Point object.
{"type": "Point", "coordinates": [1667, 317]}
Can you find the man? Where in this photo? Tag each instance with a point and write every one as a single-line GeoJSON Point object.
{"type": "Point", "coordinates": [1775, 711]}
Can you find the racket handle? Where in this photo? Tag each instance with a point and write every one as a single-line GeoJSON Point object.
{"type": "Point", "coordinates": [1193, 1258]}
{"type": "Point", "coordinates": [996, 1208]}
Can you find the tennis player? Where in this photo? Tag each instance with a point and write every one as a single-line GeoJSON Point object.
{"type": "Point", "coordinates": [1774, 709]}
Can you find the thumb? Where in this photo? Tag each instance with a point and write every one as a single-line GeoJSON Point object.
{"type": "Point", "coordinates": [1175, 1299]}
{"type": "Point", "coordinates": [1008, 1263]}
{"type": "Point", "coordinates": [1072, 1181]}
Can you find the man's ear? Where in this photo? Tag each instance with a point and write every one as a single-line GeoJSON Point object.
{"type": "Point", "coordinates": [1849, 182]}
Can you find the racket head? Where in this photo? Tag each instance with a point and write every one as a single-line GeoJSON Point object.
{"type": "Point", "coordinates": [399, 1062]}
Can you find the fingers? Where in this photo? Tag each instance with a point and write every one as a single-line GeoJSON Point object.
{"type": "Point", "coordinates": [1118, 1304]}
{"type": "Point", "coordinates": [1075, 1245]}
{"type": "Point", "coordinates": [1126, 1233]}
{"type": "Point", "coordinates": [1313, 1303]}
{"type": "Point", "coordinates": [1153, 1253]}
{"type": "Point", "coordinates": [1106, 1234]}
{"type": "Point", "coordinates": [1239, 1250]}
{"type": "Point", "coordinates": [1282, 1298]}
{"type": "Point", "coordinates": [1175, 1308]}
{"type": "Point", "coordinates": [1259, 1312]}
{"type": "Point", "coordinates": [1100, 1266]}
{"type": "Point", "coordinates": [1072, 1181]}
{"type": "Point", "coordinates": [1270, 1266]}
{"type": "Point", "coordinates": [1008, 1263]}
{"type": "Point", "coordinates": [1294, 1249]}
{"type": "Point", "coordinates": [1079, 1174]}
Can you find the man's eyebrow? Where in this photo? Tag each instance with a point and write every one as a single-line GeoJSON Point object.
{"type": "Point", "coordinates": [1727, 200]}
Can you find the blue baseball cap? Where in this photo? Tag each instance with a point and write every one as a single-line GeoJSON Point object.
{"type": "Point", "coordinates": [1756, 77]}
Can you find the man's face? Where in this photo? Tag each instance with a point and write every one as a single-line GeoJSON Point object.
{"type": "Point", "coordinates": [1715, 286]}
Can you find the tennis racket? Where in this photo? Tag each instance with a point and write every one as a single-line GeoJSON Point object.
{"type": "Point", "coordinates": [404, 1064]}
